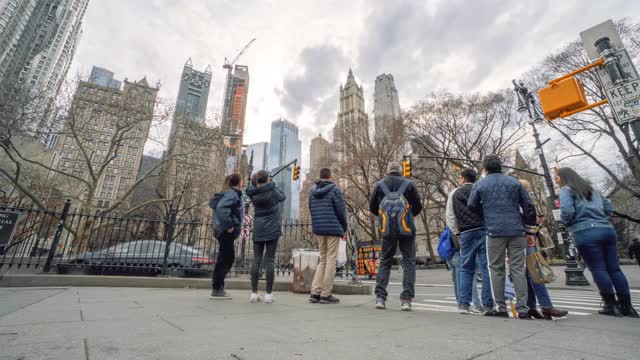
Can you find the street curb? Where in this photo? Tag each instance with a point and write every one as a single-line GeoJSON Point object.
{"type": "Point", "coordinates": [30, 280]}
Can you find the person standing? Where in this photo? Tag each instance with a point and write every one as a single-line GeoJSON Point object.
{"type": "Point", "coordinates": [468, 225]}
{"type": "Point", "coordinates": [508, 211]}
{"type": "Point", "coordinates": [266, 198]}
{"type": "Point", "coordinates": [537, 293]}
{"type": "Point", "coordinates": [395, 200]}
{"type": "Point", "coordinates": [634, 250]}
{"type": "Point", "coordinates": [329, 223]}
{"type": "Point", "coordinates": [227, 217]}
{"type": "Point", "coordinates": [586, 212]}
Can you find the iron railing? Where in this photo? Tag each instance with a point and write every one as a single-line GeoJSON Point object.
{"type": "Point", "coordinates": [69, 240]}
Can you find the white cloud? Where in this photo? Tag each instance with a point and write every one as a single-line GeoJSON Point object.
{"type": "Point", "coordinates": [304, 49]}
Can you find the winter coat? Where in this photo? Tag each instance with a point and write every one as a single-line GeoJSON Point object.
{"type": "Point", "coordinates": [459, 217]}
{"type": "Point", "coordinates": [267, 221]}
{"type": "Point", "coordinates": [393, 182]}
{"type": "Point", "coordinates": [328, 210]}
{"type": "Point", "coordinates": [505, 204]}
{"type": "Point", "coordinates": [580, 214]}
{"type": "Point", "coordinates": [227, 211]}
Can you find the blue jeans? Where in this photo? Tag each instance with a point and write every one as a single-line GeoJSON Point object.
{"type": "Point", "coordinates": [537, 291]}
{"type": "Point", "coordinates": [454, 266]}
{"type": "Point", "coordinates": [597, 246]}
{"type": "Point", "coordinates": [473, 254]}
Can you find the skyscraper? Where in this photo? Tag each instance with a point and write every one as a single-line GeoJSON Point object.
{"type": "Point", "coordinates": [99, 113]}
{"type": "Point", "coordinates": [320, 155]}
{"type": "Point", "coordinates": [234, 108]}
{"type": "Point", "coordinates": [284, 147]}
{"type": "Point", "coordinates": [260, 155]}
{"type": "Point", "coordinates": [353, 123]}
{"type": "Point", "coordinates": [38, 39]}
{"type": "Point", "coordinates": [193, 93]}
{"type": "Point", "coordinates": [194, 157]}
{"type": "Point", "coordinates": [386, 105]}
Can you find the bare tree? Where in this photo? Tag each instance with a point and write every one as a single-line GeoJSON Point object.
{"type": "Point", "coordinates": [453, 132]}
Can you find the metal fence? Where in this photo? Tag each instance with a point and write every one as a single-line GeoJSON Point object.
{"type": "Point", "coordinates": [66, 240]}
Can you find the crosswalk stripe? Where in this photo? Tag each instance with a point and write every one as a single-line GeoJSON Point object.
{"type": "Point", "coordinates": [453, 309]}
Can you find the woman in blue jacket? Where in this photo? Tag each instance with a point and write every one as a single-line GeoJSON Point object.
{"type": "Point", "coordinates": [586, 212]}
{"type": "Point", "coordinates": [266, 199]}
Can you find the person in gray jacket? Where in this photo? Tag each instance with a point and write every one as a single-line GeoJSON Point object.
{"type": "Point", "coordinates": [509, 216]}
{"type": "Point", "coordinates": [266, 199]}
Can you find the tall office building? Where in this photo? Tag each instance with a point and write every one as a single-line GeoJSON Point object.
{"type": "Point", "coordinates": [38, 39]}
{"type": "Point", "coordinates": [284, 147]}
{"type": "Point", "coordinates": [234, 108]}
{"type": "Point", "coordinates": [386, 105]}
{"type": "Point", "coordinates": [260, 155]}
{"type": "Point", "coordinates": [320, 155]}
{"type": "Point", "coordinates": [194, 157]}
{"type": "Point", "coordinates": [353, 122]}
{"type": "Point", "coordinates": [99, 112]}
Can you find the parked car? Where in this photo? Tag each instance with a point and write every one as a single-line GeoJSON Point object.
{"type": "Point", "coordinates": [140, 255]}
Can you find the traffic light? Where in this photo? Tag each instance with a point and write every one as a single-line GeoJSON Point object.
{"type": "Point", "coordinates": [406, 168]}
{"type": "Point", "coordinates": [296, 172]}
{"type": "Point", "coordinates": [562, 97]}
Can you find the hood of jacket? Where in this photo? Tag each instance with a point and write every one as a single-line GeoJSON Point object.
{"type": "Point", "coordinates": [257, 190]}
{"type": "Point", "coordinates": [225, 198]}
{"type": "Point", "coordinates": [322, 188]}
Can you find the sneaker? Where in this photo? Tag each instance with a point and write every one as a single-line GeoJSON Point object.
{"type": "Point", "coordinates": [329, 300]}
{"type": "Point", "coordinates": [255, 297]}
{"type": "Point", "coordinates": [314, 298]}
{"type": "Point", "coordinates": [497, 313]}
{"type": "Point", "coordinates": [477, 309]}
{"type": "Point", "coordinates": [219, 295]}
{"type": "Point", "coordinates": [380, 304]}
{"type": "Point", "coordinates": [406, 306]}
{"type": "Point", "coordinates": [268, 298]}
{"type": "Point", "coordinates": [463, 309]}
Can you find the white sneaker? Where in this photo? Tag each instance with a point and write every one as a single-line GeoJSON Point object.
{"type": "Point", "coordinates": [255, 297]}
{"type": "Point", "coordinates": [268, 298]}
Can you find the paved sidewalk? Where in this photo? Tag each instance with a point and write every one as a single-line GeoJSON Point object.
{"type": "Point", "coordinates": [443, 277]}
{"type": "Point", "coordinates": [132, 323]}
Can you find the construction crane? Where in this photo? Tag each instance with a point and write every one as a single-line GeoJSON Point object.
{"type": "Point", "coordinates": [229, 65]}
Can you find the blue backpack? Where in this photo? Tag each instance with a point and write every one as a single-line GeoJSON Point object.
{"type": "Point", "coordinates": [445, 249]}
{"type": "Point", "coordinates": [394, 214]}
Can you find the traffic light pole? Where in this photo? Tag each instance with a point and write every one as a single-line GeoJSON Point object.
{"type": "Point", "coordinates": [574, 274]}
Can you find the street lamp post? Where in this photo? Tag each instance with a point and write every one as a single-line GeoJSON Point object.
{"type": "Point", "coordinates": [574, 273]}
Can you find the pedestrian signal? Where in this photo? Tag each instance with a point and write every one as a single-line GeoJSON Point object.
{"type": "Point", "coordinates": [296, 172]}
{"type": "Point", "coordinates": [406, 168]}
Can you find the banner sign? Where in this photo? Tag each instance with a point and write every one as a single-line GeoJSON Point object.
{"type": "Point", "coordinates": [8, 222]}
{"type": "Point", "coordinates": [368, 258]}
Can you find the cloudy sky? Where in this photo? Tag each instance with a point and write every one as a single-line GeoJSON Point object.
{"type": "Point", "coordinates": [305, 48]}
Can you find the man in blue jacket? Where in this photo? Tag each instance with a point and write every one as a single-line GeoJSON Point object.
{"type": "Point", "coordinates": [329, 223]}
{"type": "Point", "coordinates": [508, 215]}
{"type": "Point", "coordinates": [227, 218]}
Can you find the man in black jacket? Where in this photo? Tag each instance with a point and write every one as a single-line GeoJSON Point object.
{"type": "Point", "coordinates": [394, 182]}
{"type": "Point", "coordinates": [468, 225]}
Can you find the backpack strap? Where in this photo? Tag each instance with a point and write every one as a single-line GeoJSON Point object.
{"type": "Point", "coordinates": [384, 188]}
{"type": "Point", "coordinates": [404, 186]}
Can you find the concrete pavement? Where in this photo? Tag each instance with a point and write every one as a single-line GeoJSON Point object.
{"type": "Point", "coordinates": [135, 323]}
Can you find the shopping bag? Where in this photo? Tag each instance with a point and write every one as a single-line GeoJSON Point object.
{"type": "Point", "coordinates": [538, 267]}
{"type": "Point", "coordinates": [341, 259]}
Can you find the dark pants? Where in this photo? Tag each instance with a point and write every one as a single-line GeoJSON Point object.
{"type": "Point", "coordinates": [597, 246]}
{"type": "Point", "coordinates": [224, 262]}
{"type": "Point", "coordinates": [408, 250]}
{"type": "Point", "coordinates": [268, 248]}
{"type": "Point", "coordinates": [537, 292]}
